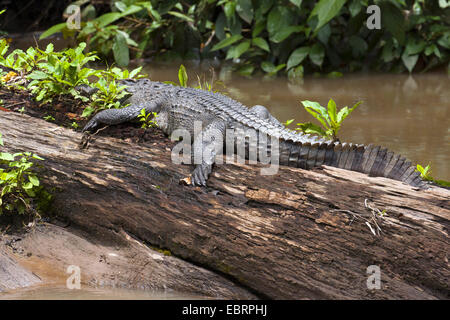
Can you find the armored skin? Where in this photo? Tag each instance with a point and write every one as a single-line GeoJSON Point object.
{"type": "Point", "coordinates": [180, 108]}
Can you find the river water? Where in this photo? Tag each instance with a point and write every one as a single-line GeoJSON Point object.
{"type": "Point", "coordinates": [409, 114]}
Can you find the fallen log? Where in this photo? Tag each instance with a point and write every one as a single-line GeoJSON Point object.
{"type": "Point", "coordinates": [297, 235]}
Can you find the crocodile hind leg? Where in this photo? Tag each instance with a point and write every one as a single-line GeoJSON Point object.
{"type": "Point", "coordinates": [116, 116]}
{"type": "Point", "coordinates": [206, 146]}
{"type": "Point", "coordinates": [263, 113]}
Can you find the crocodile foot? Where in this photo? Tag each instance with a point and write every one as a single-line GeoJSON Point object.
{"type": "Point", "coordinates": [200, 174]}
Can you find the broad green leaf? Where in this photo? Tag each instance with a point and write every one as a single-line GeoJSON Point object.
{"type": "Point", "coordinates": [6, 156]}
{"type": "Point", "coordinates": [131, 10]}
{"type": "Point", "coordinates": [355, 7]}
{"type": "Point", "coordinates": [245, 10]}
{"type": "Point", "coordinates": [393, 20]}
{"type": "Point", "coordinates": [87, 112]}
{"type": "Point", "coordinates": [332, 111]}
{"type": "Point", "coordinates": [229, 8]}
{"type": "Point", "coordinates": [317, 54]}
{"type": "Point", "coordinates": [285, 32]}
{"type": "Point", "coordinates": [277, 19]}
{"type": "Point", "coordinates": [121, 51]}
{"type": "Point", "coordinates": [226, 42]}
{"type": "Point", "coordinates": [236, 51]}
{"type": "Point", "coordinates": [182, 76]}
{"type": "Point", "coordinates": [108, 18]}
{"type": "Point", "coordinates": [34, 180]}
{"type": "Point", "coordinates": [311, 128]}
{"type": "Point", "coordinates": [270, 68]}
{"type": "Point", "coordinates": [298, 3]}
{"type": "Point", "coordinates": [261, 43]}
{"type": "Point", "coordinates": [258, 28]}
{"type": "Point", "coordinates": [297, 57]}
{"type": "Point", "coordinates": [414, 46]}
{"type": "Point", "coordinates": [409, 61]}
{"type": "Point", "coordinates": [325, 10]}
{"type": "Point", "coordinates": [52, 30]}
{"type": "Point", "coordinates": [342, 114]}
{"type": "Point", "coordinates": [317, 111]}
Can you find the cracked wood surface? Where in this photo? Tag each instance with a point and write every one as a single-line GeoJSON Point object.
{"type": "Point", "coordinates": [298, 234]}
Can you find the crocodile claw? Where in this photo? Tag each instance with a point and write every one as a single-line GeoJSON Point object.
{"type": "Point", "coordinates": [92, 124]}
{"type": "Point", "coordinates": [200, 175]}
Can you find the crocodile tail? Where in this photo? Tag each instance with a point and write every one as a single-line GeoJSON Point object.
{"type": "Point", "coordinates": [372, 160]}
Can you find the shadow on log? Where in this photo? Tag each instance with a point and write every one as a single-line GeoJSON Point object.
{"type": "Point", "coordinates": [296, 235]}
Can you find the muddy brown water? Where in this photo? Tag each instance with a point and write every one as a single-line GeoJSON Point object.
{"type": "Point", "coordinates": [410, 115]}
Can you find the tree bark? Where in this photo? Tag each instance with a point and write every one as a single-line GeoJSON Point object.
{"type": "Point", "coordinates": [297, 234]}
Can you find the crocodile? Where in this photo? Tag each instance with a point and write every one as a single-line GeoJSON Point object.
{"type": "Point", "coordinates": [179, 108]}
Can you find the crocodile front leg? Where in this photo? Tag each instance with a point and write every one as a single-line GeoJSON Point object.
{"type": "Point", "coordinates": [206, 146]}
{"type": "Point", "coordinates": [116, 116]}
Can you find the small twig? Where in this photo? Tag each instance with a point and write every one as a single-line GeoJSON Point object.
{"type": "Point", "coordinates": [16, 104]}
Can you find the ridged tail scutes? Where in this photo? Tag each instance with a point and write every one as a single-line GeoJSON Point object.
{"type": "Point", "coordinates": [374, 161]}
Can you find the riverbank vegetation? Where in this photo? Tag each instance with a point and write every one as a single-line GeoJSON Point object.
{"type": "Point", "coordinates": [292, 37]}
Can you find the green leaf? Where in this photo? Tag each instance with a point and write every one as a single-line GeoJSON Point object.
{"type": "Point", "coordinates": [34, 156]}
{"type": "Point", "coordinates": [332, 111]}
{"type": "Point", "coordinates": [317, 54]}
{"type": "Point", "coordinates": [317, 111]}
{"type": "Point", "coordinates": [182, 76]}
{"type": "Point", "coordinates": [52, 30]}
{"type": "Point", "coordinates": [284, 32]}
{"type": "Point", "coordinates": [393, 20]}
{"type": "Point", "coordinates": [87, 111]}
{"type": "Point", "coordinates": [34, 180]}
{"type": "Point", "coordinates": [245, 10]}
{"type": "Point", "coordinates": [236, 51]}
{"type": "Point", "coordinates": [298, 3]}
{"type": "Point", "coordinates": [108, 18]}
{"type": "Point", "coordinates": [414, 46]}
{"type": "Point", "coordinates": [325, 10]}
{"type": "Point", "coordinates": [181, 16]}
{"type": "Point", "coordinates": [409, 61]}
{"type": "Point", "coordinates": [342, 114]}
{"type": "Point", "coordinates": [311, 128]}
{"type": "Point", "coordinates": [261, 43]}
{"type": "Point", "coordinates": [226, 42]}
{"type": "Point", "coordinates": [121, 51]}
{"type": "Point", "coordinates": [275, 20]}
{"type": "Point", "coordinates": [355, 7]}
{"type": "Point", "coordinates": [270, 68]}
{"type": "Point", "coordinates": [6, 156]}
{"type": "Point", "coordinates": [297, 56]}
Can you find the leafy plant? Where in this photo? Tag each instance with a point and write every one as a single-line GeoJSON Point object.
{"type": "Point", "coordinates": [110, 93]}
{"type": "Point", "coordinates": [62, 73]}
{"type": "Point", "coordinates": [329, 118]}
{"type": "Point", "coordinates": [147, 119]}
{"type": "Point", "coordinates": [290, 36]}
{"type": "Point", "coordinates": [425, 173]}
{"type": "Point", "coordinates": [19, 184]}
{"type": "Point", "coordinates": [49, 118]}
